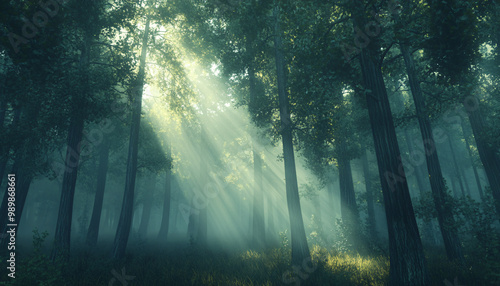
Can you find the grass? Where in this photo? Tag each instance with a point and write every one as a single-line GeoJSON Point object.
{"type": "Point", "coordinates": [193, 266]}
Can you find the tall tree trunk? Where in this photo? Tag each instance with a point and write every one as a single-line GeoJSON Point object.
{"type": "Point", "coordinates": [407, 260]}
{"type": "Point", "coordinates": [428, 227]}
{"type": "Point", "coordinates": [165, 218]}
{"type": "Point", "coordinates": [125, 222]}
{"type": "Point", "coordinates": [271, 229]}
{"type": "Point", "coordinates": [204, 180]}
{"type": "Point", "coordinates": [438, 187]}
{"type": "Point", "coordinates": [466, 183]}
{"type": "Point", "coordinates": [467, 136]}
{"type": "Point", "coordinates": [258, 226]}
{"type": "Point", "coordinates": [62, 235]}
{"type": "Point", "coordinates": [487, 153]}
{"type": "Point", "coordinates": [193, 224]}
{"type": "Point", "coordinates": [454, 185]}
{"type": "Point", "coordinates": [348, 208]}
{"type": "Point", "coordinates": [331, 194]}
{"type": "Point", "coordinates": [300, 249]}
{"type": "Point", "coordinates": [95, 221]}
{"type": "Point", "coordinates": [372, 227]}
{"type": "Point", "coordinates": [418, 169]}
{"type": "Point", "coordinates": [455, 165]}
{"type": "Point", "coordinates": [146, 207]}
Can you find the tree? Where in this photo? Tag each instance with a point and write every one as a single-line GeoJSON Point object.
{"type": "Point", "coordinates": [438, 187]}
{"type": "Point", "coordinates": [125, 221]}
{"type": "Point", "coordinates": [102, 171]}
{"type": "Point", "coordinates": [407, 261]}
{"type": "Point", "coordinates": [300, 250]}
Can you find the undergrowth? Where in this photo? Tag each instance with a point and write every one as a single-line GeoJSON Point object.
{"type": "Point", "coordinates": [203, 267]}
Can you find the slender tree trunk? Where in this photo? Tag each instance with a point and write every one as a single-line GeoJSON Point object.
{"type": "Point", "coordinates": [258, 226]}
{"type": "Point", "coordinates": [418, 169]}
{"type": "Point", "coordinates": [428, 227]}
{"type": "Point", "coordinates": [146, 207]}
{"type": "Point", "coordinates": [193, 224]}
{"type": "Point", "coordinates": [467, 136]}
{"type": "Point", "coordinates": [348, 207]}
{"type": "Point", "coordinates": [162, 234]}
{"type": "Point", "coordinates": [487, 153]}
{"type": "Point", "coordinates": [331, 194]}
{"type": "Point", "coordinates": [438, 187]}
{"type": "Point", "coordinates": [407, 260]}
{"type": "Point", "coordinates": [455, 165]}
{"type": "Point", "coordinates": [204, 180]}
{"type": "Point", "coordinates": [62, 235]}
{"type": "Point", "coordinates": [300, 249]}
{"type": "Point", "coordinates": [372, 227]}
{"type": "Point", "coordinates": [63, 226]}
{"type": "Point", "coordinates": [125, 222]}
{"type": "Point", "coordinates": [454, 185]}
{"type": "Point", "coordinates": [466, 183]}
{"type": "Point", "coordinates": [95, 221]}
{"type": "Point", "coordinates": [271, 229]}
{"type": "Point", "coordinates": [174, 219]}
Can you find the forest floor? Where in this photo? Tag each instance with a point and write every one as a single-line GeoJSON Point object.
{"type": "Point", "coordinates": [183, 264]}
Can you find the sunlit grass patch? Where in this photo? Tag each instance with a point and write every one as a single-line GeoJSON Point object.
{"type": "Point", "coordinates": [247, 268]}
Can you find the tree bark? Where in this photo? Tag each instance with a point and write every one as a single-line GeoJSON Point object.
{"type": "Point", "coordinates": [146, 207]}
{"type": "Point", "coordinates": [467, 135]}
{"type": "Point", "coordinates": [371, 222]}
{"type": "Point", "coordinates": [125, 221]}
{"type": "Point", "coordinates": [204, 183]}
{"type": "Point", "coordinates": [300, 249]}
{"type": "Point", "coordinates": [487, 153]}
{"type": "Point", "coordinates": [258, 226]}
{"type": "Point", "coordinates": [271, 229]}
{"type": "Point", "coordinates": [407, 260]}
{"type": "Point", "coordinates": [348, 208]}
{"type": "Point", "coordinates": [95, 221]}
{"type": "Point", "coordinates": [438, 187]}
{"type": "Point", "coordinates": [455, 165]}
{"type": "Point", "coordinates": [62, 235]}
{"type": "Point", "coordinates": [428, 227]}
{"type": "Point", "coordinates": [163, 233]}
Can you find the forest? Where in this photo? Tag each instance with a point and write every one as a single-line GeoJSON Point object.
{"type": "Point", "coordinates": [250, 142]}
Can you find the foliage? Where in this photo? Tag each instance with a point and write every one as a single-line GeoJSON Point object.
{"type": "Point", "coordinates": [37, 269]}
